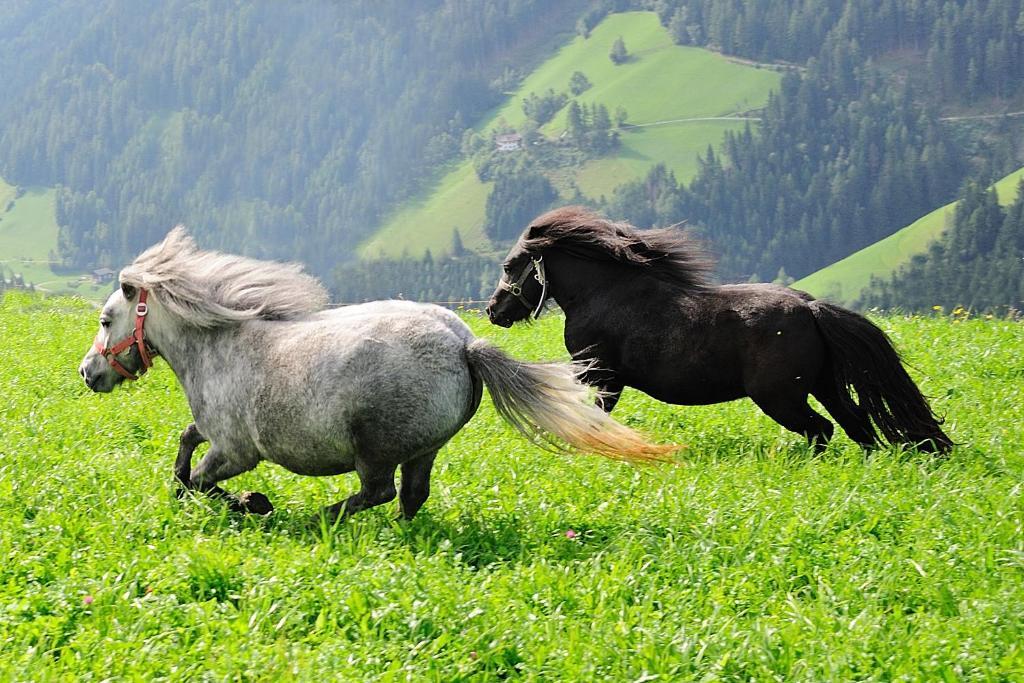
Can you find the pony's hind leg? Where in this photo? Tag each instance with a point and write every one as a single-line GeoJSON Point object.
{"type": "Point", "coordinates": [793, 413]}
{"type": "Point", "coordinates": [377, 486]}
{"type": "Point", "coordinates": [609, 389]}
{"type": "Point", "coordinates": [215, 466]}
{"type": "Point", "coordinates": [608, 396]}
{"type": "Point", "coordinates": [415, 484]}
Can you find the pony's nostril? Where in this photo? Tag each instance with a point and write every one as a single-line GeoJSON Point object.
{"type": "Point", "coordinates": [81, 371]}
{"type": "Point", "coordinates": [92, 380]}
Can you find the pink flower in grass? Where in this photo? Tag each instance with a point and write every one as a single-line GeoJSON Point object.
{"type": "Point", "coordinates": [87, 600]}
{"type": "Point", "coordinates": [570, 533]}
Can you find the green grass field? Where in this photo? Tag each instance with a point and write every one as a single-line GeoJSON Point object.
{"type": "Point", "coordinates": [662, 82]}
{"type": "Point", "coordinates": [845, 280]}
{"type": "Point", "coordinates": [752, 560]}
{"type": "Point", "coordinates": [28, 237]}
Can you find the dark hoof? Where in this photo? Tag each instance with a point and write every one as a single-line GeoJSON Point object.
{"type": "Point", "coordinates": [253, 502]}
{"type": "Point", "coordinates": [183, 492]}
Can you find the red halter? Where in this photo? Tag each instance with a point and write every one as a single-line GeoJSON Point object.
{"type": "Point", "coordinates": [137, 337]}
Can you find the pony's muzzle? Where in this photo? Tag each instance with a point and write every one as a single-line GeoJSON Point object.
{"type": "Point", "coordinates": [89, 378]}
{"type": "Point", "coordinates": [94, 374]}
{"type": "Point", "coordinates": [495, 317]}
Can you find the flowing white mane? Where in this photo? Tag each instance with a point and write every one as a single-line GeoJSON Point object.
{"type": "Point", "coordinates": [212, 289]}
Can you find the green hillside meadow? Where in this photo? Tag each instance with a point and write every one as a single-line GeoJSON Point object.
{"type": "Point", "coordinates": [28, 238]}
{"type": "Point", "coordinates": [753, 559]}
{"type": "Point", "coordinates": [663, 82]}
{"type": "Point", "coordinates": [845, 280]}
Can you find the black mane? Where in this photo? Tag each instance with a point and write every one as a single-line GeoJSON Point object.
{"type": "Point", "coordinates": [668, 254]}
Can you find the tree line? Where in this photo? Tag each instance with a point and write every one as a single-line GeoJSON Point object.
{"type": "Point", "coordinates": [463, 279]}
{"type": "Point", "coordinates": [823, 177]}
{"type": "Point", "coordinates": [967, 49]}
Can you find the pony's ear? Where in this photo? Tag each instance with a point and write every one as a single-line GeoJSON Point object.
{"type": "Point", "coordinates": [534, 231]}
{"type": "Point", "coordinates": [128, 290]}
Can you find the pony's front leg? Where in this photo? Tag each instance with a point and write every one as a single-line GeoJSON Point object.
{"type": "Point", "coordinates": [187, 444]}
{"type": "Point", "coordinates": [216, 466]}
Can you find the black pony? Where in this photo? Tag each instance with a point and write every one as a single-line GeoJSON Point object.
{"type": "Point", "coordinates": [638, 305]}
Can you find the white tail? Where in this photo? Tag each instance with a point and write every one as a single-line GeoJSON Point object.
{"type": "Point", "coordinates": [545, 401]}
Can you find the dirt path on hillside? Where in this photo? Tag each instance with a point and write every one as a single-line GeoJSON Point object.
{"type": "Point", "coordinates": [627, 126]}
{"type": "Point", "coordinates": [787, 66]}
{"type": "Point", "coordinates": [981, 116]}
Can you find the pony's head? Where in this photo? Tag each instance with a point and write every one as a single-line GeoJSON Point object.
{"type": "Point", "coordinates": [522, 288]}
{"type": "Point", "coordinates": [120, 350]}
{"type": "Point", "coordinates": [666, 254]}
{"type": "Point", "coordinates": [189, 289]}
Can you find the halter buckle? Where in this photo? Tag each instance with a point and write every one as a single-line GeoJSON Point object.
{"type": "Point", "coordinates": [141, 309]}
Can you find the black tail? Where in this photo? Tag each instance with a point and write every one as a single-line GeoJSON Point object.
{"type": "Point", "coordinates": [864, 360]}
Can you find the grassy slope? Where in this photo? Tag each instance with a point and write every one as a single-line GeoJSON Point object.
{"type": "Point", "coordinates": [676, 145]}
{"type": "Point", "coordinates": [753, 561]}
{"type": "Point", "coordinates": [845, 280]}
{"type": "Point", "coordinates": [28, 235]}
{"type": "Point", "coordinates": [456, 203]}
{"type": "Point", "coordinates": [662, 82]}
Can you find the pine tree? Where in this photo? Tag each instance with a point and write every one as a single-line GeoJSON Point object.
{"type": "Point", "coordinates": [578, 83]}
{"type": "Point", "coordinates": [457, 249]}
{"type": "Point", "coordinates": [618, 54]}
{"type": "Point", "coordinates": [576, 124]}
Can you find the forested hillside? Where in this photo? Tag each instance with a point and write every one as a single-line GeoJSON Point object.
{"type": "Point", "coordinates": [276, 128]}
{"type": "Point", "coordinates": [854, 146]}
{"type": "Point", "coordinates": [845, 280]}
{"type": "Point", "coordinates": [968, 49]}
{"type": "Point", "coordinates": [295, 130]}
{"type": "Point", "coordinates": [587, 124]}
{"type": "Point", "coordinates": [885, 112]}
{"type": "Point", "coordinates": [821, 180]}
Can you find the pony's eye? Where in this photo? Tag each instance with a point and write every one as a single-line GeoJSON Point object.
{"type": "Point", "coordinates": [104, 323]}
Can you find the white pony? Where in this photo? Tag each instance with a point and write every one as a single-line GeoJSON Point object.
{"type": "Point", "coordinates": [270, 375]}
